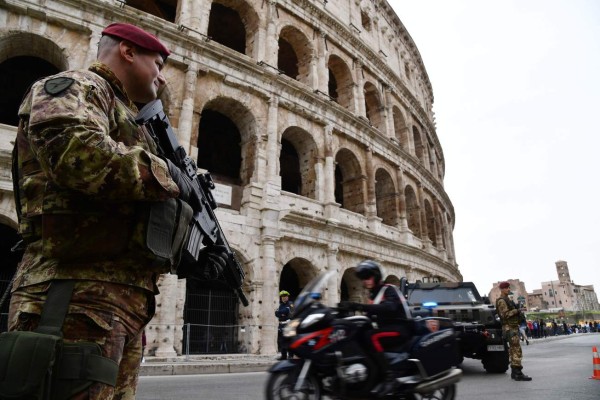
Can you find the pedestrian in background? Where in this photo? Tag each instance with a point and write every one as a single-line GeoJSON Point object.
{"type": "Point", "coordinates": [510, 315]}
{"type": "Point", "coordinates": [283, 314]}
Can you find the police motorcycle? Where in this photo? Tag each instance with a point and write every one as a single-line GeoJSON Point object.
{"type": "Point", "coordinates": [332, 359]}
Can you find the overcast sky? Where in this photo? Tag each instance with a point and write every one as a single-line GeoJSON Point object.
{"type": "Point", "coordinates": [516, 87]}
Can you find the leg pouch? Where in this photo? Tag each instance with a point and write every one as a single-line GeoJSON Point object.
{"type": "Point", "coordinates": [39, 366]}
{"type": "Point", "coordinates": [80, 365]}
{"type": "Point", "coordinates": [27, 361]}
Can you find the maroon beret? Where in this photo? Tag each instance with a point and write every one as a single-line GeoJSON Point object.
{"type": "Point", "coordinates": [504, 285]}
{"type": "Point", "coordinates": [137, 36]}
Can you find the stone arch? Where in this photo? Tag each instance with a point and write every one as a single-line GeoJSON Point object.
{"type": "Point", "coordinates": [165, 9]}
{"type": "Point", "coordinates": [419, 147]}
{"type": "Point", "coordinates": [349, 182]}
{"type": "Point", "coordinates": [295, 274]}
{"type": "Point", "coordinates": [233, 23]}
{"type": "Point", "coordinates": [24, 58]}
{"type": "Point", "coordinates": [297, 161]}
{"type": "Point", "coordinates": [439, 216]}
{"type": "Point", "coordinates": [226, 141]}
{"type": "Point", "coordinates": [400, 128]}
{"type": "Point", "coordinates": [431, 223]}
{"type": "Point", "coordinates": [392, 280]}
{"type": "Point", "coordinates": [413, 211]}
{"type": "Point", "coordinates": [295, 54]}
{"type": "Point", "coordinates": [385, 197]}
{"type": "Point", "coordinates": [341, 84]}
{"type": "Point", "coordinates": [350, 286]}
{"type": "Point", "coordinates": [374, 107]}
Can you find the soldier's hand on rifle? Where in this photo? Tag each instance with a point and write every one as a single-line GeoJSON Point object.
{"type": "Point", "coordinates": [185, 185]}
{"type": "Point", "coordinates": [212, 261]}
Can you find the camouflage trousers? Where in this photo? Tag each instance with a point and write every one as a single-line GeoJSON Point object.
{"type": "Point", "coordinates": [111, 315]}
{"type": "Point", "coordinates": [511, 335]}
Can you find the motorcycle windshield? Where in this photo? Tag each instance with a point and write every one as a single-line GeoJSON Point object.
{"type": "Point", "coordinates": [312, 292]}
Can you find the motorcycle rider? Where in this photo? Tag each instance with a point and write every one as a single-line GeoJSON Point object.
{"type": "Point", "coordinates": [283, 313]}
{"type": "Point", "coordinates": [386, 308]}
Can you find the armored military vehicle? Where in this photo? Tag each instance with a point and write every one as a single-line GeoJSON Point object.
{"type": "Point", "coordinates": [476, 322]}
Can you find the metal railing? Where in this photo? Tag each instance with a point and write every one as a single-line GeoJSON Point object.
{"type": "Point", "coordinates": [214, 339]}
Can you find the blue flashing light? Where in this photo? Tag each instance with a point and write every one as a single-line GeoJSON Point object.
{"type": "Point", "coordinates": [430, 304]}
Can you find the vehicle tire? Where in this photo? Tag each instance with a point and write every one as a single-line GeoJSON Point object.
{"type": "Point", "coordinates": [495, 362]}
{"type": "Point", "coordinates": [445, 393]}
{"type": "Point", "coordinates": [280, 386]}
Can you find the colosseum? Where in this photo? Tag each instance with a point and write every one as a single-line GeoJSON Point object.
{"type": "Point", "coordinates": [314, 118]}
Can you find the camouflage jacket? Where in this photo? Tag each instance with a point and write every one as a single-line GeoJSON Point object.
{"type": "Point", "coordinates": [507, 311]}
{"type": "Point", "coordinates": [87, 174]}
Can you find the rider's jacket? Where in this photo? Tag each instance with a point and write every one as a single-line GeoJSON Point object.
{"type": "Point", "coordinates": [386, 305]}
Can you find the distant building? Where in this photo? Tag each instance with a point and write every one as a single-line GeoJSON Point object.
{"type": "Point", "coordinates": [562, 293]}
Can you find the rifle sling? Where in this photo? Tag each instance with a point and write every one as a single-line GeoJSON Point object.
{"type": "Point", "coordinates": [56, 307]}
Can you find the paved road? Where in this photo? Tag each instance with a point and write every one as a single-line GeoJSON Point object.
{"type": "Point", "coordinates": [561, 368]}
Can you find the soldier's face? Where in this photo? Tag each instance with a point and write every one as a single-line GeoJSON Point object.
{"type": "Point", "coordinates": [146, 77]}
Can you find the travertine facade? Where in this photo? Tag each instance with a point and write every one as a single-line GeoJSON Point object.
{"type": "Point", "coordinates": [314, 118]}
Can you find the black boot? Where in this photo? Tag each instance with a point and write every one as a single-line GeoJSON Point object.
{"type": "Point", "coordinates": [387, 387]}
{"type": "Point", "coordinates": [518, 375]}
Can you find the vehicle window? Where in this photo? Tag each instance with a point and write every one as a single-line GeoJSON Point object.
{"type": "Point", "coordinates": [442, 296]}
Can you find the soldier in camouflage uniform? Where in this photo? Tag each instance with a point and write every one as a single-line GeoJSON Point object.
{"type": "Point", "coordinates": [87, 176]}
{"type": "Point", "coordinates": [510, 315]}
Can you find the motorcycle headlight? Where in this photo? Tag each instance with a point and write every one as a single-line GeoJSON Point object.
{"type": "Point", "coordinates": [290, 329]}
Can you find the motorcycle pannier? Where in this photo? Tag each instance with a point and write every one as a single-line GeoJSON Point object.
{"type": "Point", "coordinates": [438, 348]}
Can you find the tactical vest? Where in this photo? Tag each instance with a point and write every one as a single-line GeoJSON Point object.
{"type": "Point", "coordinates": [513, 320]}
{"type": "Point", "coordinates": [76, 227]}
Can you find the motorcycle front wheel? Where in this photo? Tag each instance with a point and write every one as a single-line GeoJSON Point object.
{"type": "Point", "coordinates": [280, 386]}
{"type": "Point", "coordinates": [445, 393]}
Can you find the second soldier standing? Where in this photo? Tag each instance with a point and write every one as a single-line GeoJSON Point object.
{"type": "Point", "coordinates": [511, 316]}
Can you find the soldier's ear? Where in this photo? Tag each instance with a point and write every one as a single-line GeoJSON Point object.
{"type": "Point", "coordinates": [127, 50]}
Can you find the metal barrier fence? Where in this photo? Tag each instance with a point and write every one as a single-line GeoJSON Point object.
{"type": "Point", "coordinates": [214, 339]}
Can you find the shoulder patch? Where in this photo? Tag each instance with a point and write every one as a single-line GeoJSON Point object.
{"type": "Point", "coordinates": [57, 85]}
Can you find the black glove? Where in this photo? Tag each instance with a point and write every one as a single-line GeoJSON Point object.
{"type": "Point", "coordinates": [211, 262]}
{"type": "Point", "coordinates": [185, 185]}
{"type": "Point", "coordinates": [350, 306]}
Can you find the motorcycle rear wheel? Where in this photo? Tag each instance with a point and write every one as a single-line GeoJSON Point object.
{"type": "Point", "coordinates": [445, 393]}
{"type": "Point", "coordinates": [280, 386]}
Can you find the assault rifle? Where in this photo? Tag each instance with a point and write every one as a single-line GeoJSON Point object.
{"type": "Point", "coordinates": [204, 229]}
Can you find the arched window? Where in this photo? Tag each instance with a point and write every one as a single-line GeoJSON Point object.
{"type": "Point", "coordinates": [349, 182]}
{"type": "Point", "coordinates": [385, 194]}
{"type": "Point", "coordinates": [413, 214]}
{"type": "Point", "coordinates": [225, 26]}
{"type": "Point", "coordinates": [341, 85]}
{"type": "Point", "coordinates": [297, 162]}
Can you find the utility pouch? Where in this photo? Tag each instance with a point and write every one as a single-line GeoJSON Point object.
{"type": "Point", "coordinates": [168, 222]}
{"type": "Point", "coordinates": [27, 361]}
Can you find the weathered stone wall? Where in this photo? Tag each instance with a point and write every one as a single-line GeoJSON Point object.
{"type": "Point", "coordinates": [375, 127]}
